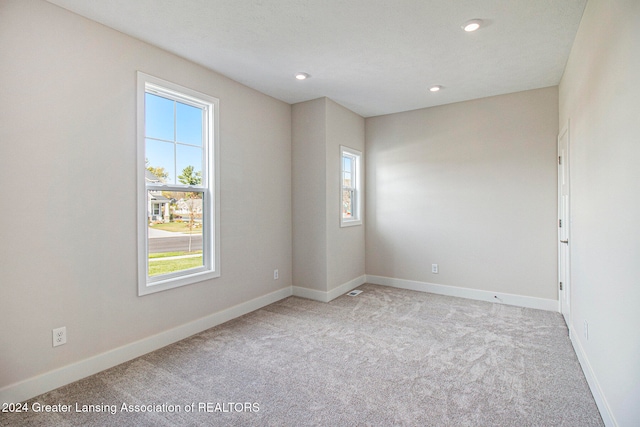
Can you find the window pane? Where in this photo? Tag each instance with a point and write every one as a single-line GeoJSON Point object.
{"type": "Point", "coordinates": [175, 234]}
{"type": "Point", "coordinates": [158, 117]}
{"type": "Point", "coordinates": [160, 157]}
{"type": "Point", "coordinates": [346, 163]}
{"type": "Point", "coordinates": [189, 165]}
{"type": "Point", "coordinates": [189, 124]}
{"type": "Point", "coordinates": [347, 203]}
{"type": "Point", "coordinates": [346, 180]}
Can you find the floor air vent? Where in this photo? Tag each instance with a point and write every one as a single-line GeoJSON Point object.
{"type": "Point", "coordinates": [354, 293]}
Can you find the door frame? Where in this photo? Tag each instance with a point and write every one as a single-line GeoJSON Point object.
{"type": "Point", "coordinates": [564, 231]}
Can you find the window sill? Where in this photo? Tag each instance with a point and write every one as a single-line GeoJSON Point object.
{"type": "Point", "coordinates": [175, 282]}
{"type": "Point", "coordinates": [350, 223]}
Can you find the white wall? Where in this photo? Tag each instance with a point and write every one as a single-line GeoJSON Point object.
{"type": "Point", "coordinates": [308, 136]}
{"type": "Point", "coordinates": [470, 186]}
{"type": "Point", "coordinates": [345, 246]}
{"type": "Point", "coordinates": [599, 96]}
{"type": "Point", "coordinates": [325, 257]}
{"type": "Point", "coordinates": [68, 174]}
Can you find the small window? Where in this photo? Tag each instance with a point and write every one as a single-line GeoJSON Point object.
{"type": "Point", "coordinates": [350, 187]}
{"type": "Point", "coordinates": [178, 203]}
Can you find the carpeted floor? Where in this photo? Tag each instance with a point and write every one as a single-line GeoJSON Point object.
{"type": "Point", "coordinates": [386, 357]}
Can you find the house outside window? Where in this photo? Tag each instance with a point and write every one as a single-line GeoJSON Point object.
{"type": "Point", "coordinates": [178, 201]}
{"type": "Point", "coordinates": [351, 208]}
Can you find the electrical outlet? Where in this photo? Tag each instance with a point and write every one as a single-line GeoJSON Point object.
{"type": "Point", "coordinates": [276, 276]}
{"type": "Point", "coordinates": [586, 330]}
{"type": "Point", "coordinates": [59, 336]}
{"type": "Point", "coordinates": [434, 268]}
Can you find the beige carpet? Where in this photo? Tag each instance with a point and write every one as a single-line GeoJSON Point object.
{"type": "Point", "coordinates": [386, 357]}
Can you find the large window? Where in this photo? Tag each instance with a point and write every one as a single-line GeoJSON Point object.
{"type": "Point", "coordinates": [350, 187]}
{"type": "Point", "coordinates": [178, 209]}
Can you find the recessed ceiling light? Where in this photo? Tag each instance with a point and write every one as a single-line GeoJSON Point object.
{"type": "Point", "coordinates": [302, 76]}
{"type": "Point", "coordinates": [435, 88]}
{"type": "Point", "coordinates": [472, 25]}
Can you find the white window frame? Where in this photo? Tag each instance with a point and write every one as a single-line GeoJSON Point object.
{"type": "Point", "coordinates": [357, 206]}
{"type": "Point", "coordinates": [210, 188]}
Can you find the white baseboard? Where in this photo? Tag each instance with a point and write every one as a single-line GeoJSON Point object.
{"type": "Point", "coordinates": [330, 295]}
{"type": "Point", "coordinates": [310, 294]}
{"type": "Point", "coordinates": [24, 390]}
{"type": "Point", "coordinates": [476, 294]}
{"type": "Point", "coordinates": [594, 385]}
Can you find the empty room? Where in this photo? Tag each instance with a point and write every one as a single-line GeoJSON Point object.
{"type": "Point", "coordinates": [287, 212]}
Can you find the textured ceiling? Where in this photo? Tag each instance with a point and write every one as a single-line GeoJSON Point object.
{"type": "Point", "coordinates": [372, 56]}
